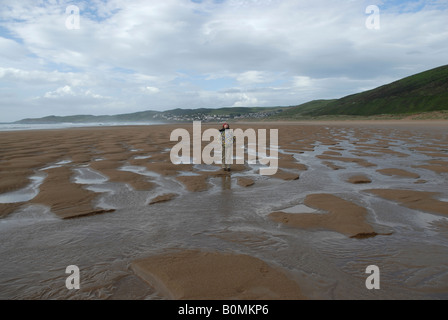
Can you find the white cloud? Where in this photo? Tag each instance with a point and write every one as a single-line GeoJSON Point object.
{"type": "Point", "coordinates": [67, 91]}
{"type": "Point", "coordinates": [60, 92]}
{"type": "Point", "coordinates": [246, 101]}
{"type": "Point", "coordinates": [39, 77]}
{"type": "Point", "coordinates": [150, 90]}
{"type": "Point", "coordinates": [251, 77]}
{"type": "Point", "coordinates": [177, 53]}
{"type": "Point", "coordinates": [301, 81]}
{"type": "Point", "coordinates": [11, 50]}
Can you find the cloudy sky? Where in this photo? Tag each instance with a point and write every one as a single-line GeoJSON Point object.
{"type": "Point", "coordinates": [135, 55]}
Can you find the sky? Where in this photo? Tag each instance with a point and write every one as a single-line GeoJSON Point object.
{"type": "Point", "coordinates": [116, 56]}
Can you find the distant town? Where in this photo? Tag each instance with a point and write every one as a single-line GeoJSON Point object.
{"type": "Point", "coordinates": [206, 117]}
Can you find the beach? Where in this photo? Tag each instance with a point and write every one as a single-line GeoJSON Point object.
{"type": "Point", "coordinates": [347, 195]}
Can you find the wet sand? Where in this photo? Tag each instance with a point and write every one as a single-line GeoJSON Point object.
{"type": "Point", "coordinates": [419, 200]}
{"type": "Point", "coordinates": [359, 179]}
{"type": "Point", "coordinates": [342, 192]}
{"type": "Point", "coordinates": [340, 215]}
{"type": "Point", "coordinates": [66, 199]}
{"type": "Point", "coordinates": [398, 173]}
{"type": "Point", "coordinates": [163, 198]}
{"type": "Point", "coordinates": [196, 275]}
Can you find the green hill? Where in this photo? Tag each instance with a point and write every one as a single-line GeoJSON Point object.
{"type": "Point", "coordinates": [301, 111]}
{"type": "Point", "coordinates": [423, 92]}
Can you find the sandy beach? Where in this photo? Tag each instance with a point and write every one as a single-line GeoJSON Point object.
{"type": "Point", "coordinates": [347, 195]}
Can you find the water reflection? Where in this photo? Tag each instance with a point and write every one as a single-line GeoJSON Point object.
{"type": "Point", "coordinates": [226, 197]}
{"type": "Point", "coordinates": [226, 182]}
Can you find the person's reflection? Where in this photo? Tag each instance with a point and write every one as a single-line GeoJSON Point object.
{"type": "Point", "coordinates": [226, 181]}
{"type": "Point", "coordinates": [226, 201]}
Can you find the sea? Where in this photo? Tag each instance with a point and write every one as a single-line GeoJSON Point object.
{"type": "Point", "coordinates": [65, 125]}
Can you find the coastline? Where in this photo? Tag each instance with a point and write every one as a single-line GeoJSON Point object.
{"type": "Point", "coordinates": [63, 126]}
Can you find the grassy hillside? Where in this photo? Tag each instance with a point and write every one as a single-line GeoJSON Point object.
{"type": "Point", "coordinates": [302, 111]}
{"type": "Point", "coordinates": [423, 92]}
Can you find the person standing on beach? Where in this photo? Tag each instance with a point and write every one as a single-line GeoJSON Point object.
{"type": "Point", "coordinates": [227, 140]}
